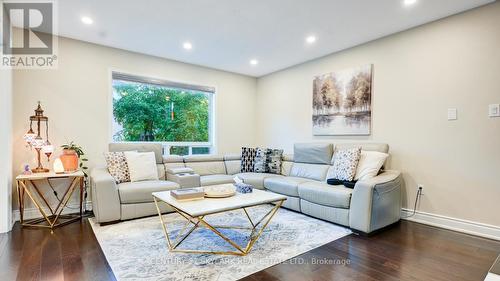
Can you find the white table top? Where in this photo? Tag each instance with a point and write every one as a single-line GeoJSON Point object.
{"type": "Point", "coordinates": [51, 174]}
{"type": "Point", "coordinates": [208, 206]}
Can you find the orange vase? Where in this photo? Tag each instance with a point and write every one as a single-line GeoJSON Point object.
{"type": "Point", "coordinates": [69, 159]}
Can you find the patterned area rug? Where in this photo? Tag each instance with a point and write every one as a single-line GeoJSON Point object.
{"type": "Point", "coordinates": [137, 249]}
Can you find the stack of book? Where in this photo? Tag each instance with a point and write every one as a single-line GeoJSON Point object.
{"type": "Point", "coordinates": [185, 194]}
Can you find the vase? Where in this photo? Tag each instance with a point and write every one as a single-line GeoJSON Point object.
{"type": "Point", "coordinates": [69, 159]}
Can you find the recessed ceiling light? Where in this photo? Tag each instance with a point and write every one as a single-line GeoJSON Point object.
{"type": "Point", "coordinates": [311, 39]}
{"type": "Point", "coordinates": [254, 62]}
{"type": "Point", "coordinates": [409, 2]}
{"type": "Point", "coordinates": [187, 45]}
{"type": "Point", "coordinates": [87, 20]}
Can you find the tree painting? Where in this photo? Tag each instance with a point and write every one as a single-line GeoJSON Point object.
{"type": "Point", "coordinates": [342, 102]}
{"type": "Point", "coordinates": [144, 112]}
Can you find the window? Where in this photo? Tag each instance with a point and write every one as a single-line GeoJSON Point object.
{"type": "Point", "coordinates": [175, 114]}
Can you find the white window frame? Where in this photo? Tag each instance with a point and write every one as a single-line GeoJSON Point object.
{"type": "Point", "coordinates": [154, 80]}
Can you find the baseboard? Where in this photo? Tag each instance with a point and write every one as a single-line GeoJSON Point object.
{"type": "Point", "coordinates": [465, 226]}
{"type": "Point", "coordinates": [33, 213]}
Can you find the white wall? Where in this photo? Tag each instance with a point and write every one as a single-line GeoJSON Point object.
{"type": "Point", "coordinates": [418, 74]}
{"type": "Point", "coordinates": [76, 98]}
{"type": "Point", "coordinates": [5, 150]}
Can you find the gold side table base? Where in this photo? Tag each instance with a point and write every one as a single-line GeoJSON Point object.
{"type": "Point", "coordinates": [54, 218]}
{"type": "Point", "coordinates": [200, 221]}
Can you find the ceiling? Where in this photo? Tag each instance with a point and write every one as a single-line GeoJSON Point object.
{"type": "Point", "coordinates": [227, 34]}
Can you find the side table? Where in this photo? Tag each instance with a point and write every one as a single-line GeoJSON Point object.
{"type": "Point", "coordinates": [27, 185]}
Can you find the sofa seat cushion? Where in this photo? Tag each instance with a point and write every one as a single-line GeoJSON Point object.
{"type": "Point", "coordinates": [324, 194]}
{"type": "Point", "coordinates": [284, 185]}
{"type": "Point", "coordinates": [256, 179]}
{"type": "Point", "coordinates": [140, 192]}
{"type": "Point", "coordinates": [216, 179]}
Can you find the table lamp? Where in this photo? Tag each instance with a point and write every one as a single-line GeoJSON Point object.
{"type": "Point", "coordinates": [35, 139]}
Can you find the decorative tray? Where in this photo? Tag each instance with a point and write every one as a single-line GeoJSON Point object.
{"type": "Point", "coordinates": [220, 191]}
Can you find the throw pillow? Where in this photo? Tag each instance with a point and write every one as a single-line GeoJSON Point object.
{"type": "Point", "coordinates": [268, 160]}
{"type": "Point", "coordinates": [260, 161]}
{"type": "Point", "coordinates": [370, 164]}
{"type": "Point", "coordinates": [141, 165]}
{"type": "Point", "coordinates": [345, 163]}
{"type": "Point", "coordinates": [117, 166]}
{"type": "Point", "coordinates": [274, 161]}
{"type": "Point", "coordinates": [247, 159]}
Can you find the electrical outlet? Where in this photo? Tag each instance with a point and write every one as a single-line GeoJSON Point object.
{"type": "Point", "coordinates": [494, 110]}
{"type": "Point", "coordinates": [452, 114]}
{"type": "Point", "coordinates": [421, 187]}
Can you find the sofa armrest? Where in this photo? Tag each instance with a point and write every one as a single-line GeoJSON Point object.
{"type": "Point", "coordinates": [105, 197]}
{"type": "Point", "coordinates": [376, 202]}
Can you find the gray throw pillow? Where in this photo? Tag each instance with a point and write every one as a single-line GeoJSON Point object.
{"type": "Point", "coordinates": [268, 160]}
{"type": "Point", "coordinates": [274, 161]}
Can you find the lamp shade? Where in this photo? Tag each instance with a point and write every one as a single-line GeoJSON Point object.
{"type": "Point", "coordinates": [38, 142]}
{"type": "Point", "coordinates": [48, 149]}
{"type": "Point", "coordinates": [29, 136]}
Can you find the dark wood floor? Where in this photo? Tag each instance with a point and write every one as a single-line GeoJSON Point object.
{"type": "Point", "coordinates": [407, 251]}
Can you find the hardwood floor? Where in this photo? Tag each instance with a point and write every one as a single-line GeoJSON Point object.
{"type": "Point", "coordinates": [406, 251]}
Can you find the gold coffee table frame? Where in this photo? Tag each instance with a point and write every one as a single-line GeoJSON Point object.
{"type": "Point", "coordinates": [26, 185]}
{"type": "Point", "coordinates": [199, 221]}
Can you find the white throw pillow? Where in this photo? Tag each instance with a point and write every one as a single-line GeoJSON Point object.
{"type": "Point", "coordinates": [370, 164]}
{"type": "Point", "coordinates": [345, 163]}
{"type": "Point", "coordinates": [141, 166]}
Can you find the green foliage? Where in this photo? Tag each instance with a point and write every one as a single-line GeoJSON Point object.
{"type": "Point", "coordinates": [73, 146]}
{"type": "Point", "coordinates": [79, 151]}
{"type": "Point", "coordinates": [179, 150]}
{"type": "Point", "coordinates": [144, 112]}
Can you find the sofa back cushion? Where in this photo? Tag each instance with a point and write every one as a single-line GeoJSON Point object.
{"type": "Point", "coordinates": [157, 148]}
{"type": "Point", "coordinates": [313, 153]}
{"type": "Point", "coordinates": [206, 164]}
{"type": "Point", "coordinates": [161, 171]}
{"type": "Point", "coordinates": [232, 163]}
{"type": "Point", "coordinates": [380, 147]}
{"type": "Point", "coordinates": [173, 161]}
{"type": "Point", "coordinates": [309, 171]}
{"type": "Point", "coordinates": [286, 164]}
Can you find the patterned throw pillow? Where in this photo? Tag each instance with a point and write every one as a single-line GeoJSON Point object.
{"type": "Point", "coordinates": [117, 166]}
{"type": "Point", "coordinates": [274, 161]}
{"type": "Point", "coordinates": [345, 163]}
{"type": "Point", "coordinates": [247, 159]}
{"type": "Point", "coordinates": [268, 160]}
{"type": "Point", "coordinates": [260, 162]}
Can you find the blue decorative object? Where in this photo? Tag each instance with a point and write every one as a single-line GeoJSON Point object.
{"type": "Point", "coordinates": [243, 187]}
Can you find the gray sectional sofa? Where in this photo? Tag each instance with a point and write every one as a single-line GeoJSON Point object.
{"type": "Point", "coordinates": [371, 205]}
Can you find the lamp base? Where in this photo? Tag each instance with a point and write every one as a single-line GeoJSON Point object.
{"type": "Point", "coordinates": [40, 170]}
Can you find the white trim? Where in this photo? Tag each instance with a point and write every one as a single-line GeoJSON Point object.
{"type": "Point", "coordinates": [6, 150]}
{"type": "Point", "coordinates": [33, 213]}
{"type": "Point", "coordinates": [460, 225]}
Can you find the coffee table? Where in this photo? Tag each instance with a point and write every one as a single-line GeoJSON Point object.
{"type": "Point", "coordinates": [195, 212]}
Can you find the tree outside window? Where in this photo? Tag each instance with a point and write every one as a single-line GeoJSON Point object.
{"type": "Point", "coordinates": [145, 112]}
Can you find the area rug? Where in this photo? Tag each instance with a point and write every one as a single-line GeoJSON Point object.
{"type": "Point", "coordinates": [137, 249]}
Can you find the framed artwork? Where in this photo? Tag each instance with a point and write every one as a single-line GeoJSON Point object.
{"type": "Point", "coordinates": [342, 102]}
